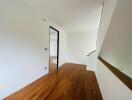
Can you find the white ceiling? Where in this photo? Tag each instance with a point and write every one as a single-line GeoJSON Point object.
{"type": "Point", "coordinates": [71, 15]}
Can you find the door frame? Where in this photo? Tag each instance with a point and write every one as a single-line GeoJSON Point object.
{"type": "Point", "coordinates": [50, 27]}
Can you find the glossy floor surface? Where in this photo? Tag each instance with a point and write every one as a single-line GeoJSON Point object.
{"type": "Point", "coordinates": [71, 82]}
{"type": "Point", "coordinates": [53, 67]}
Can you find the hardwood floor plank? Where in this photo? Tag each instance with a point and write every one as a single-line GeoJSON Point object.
{"type": "Point", "coordinates": [71, 82]}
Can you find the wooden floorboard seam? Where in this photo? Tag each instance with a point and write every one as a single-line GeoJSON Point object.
{"type": "Point", "coordinates": [71, 82]}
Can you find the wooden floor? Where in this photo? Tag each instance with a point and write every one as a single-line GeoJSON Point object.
{"type": "Point", "coordinates": [53, 67]}
{"type": "Point", "coordinates": [71, 82]}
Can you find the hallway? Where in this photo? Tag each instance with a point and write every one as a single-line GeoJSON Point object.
{"type": "Point", "coordinates": [71, 82]}
{"type": "Point", "coordinates": [86, 39]}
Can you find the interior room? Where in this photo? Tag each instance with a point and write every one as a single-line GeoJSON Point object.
{"type": "Point", "coordinates": [65, 49]}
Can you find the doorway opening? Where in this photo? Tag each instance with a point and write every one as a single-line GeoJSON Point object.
{"type": "Point", "coordinates": [54, 49]}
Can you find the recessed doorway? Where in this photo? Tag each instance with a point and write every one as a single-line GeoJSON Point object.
{"type": "Point", "coordinates": [54, 49]}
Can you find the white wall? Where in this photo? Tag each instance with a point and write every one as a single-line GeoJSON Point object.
{"type": "Point", "coordinates": [62, 47]}
{"type": "Point", "coordinates": [23, 39]}
{"type": "Point", "coordinates": [79, 45]}
{"type": "Point", "coordinates": [91, 62]}
{"type": "Point", "coordinates": [111, 87]}
{"type": "Point", "coordinates": [117, 48]}
{"type": "Point", "coordinates": [109, 6]}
